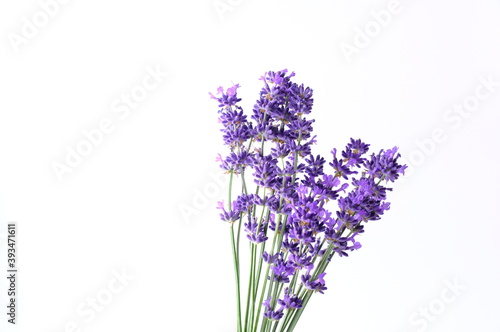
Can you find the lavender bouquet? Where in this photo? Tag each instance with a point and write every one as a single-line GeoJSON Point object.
{"type": "Point", "coordinates": [286, 211]}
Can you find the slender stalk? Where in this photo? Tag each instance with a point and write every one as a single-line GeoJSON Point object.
{"type": "Point", "coordinates": [319, 249]}
{"type": "Point", "coordinates": [262, 248]}
{"type": "Point", "coordinates": [250, 287]}
{"type": "Point", "coordinates": [239, 223]}
{"type": "Point", "coordinates": [323, 262]}
{"type": "Point", "coordinates": [255, 303]}
{"type": "Point", "coordinates": [258, 274]}
{"type": "Point", "coordinates": [270, 322]}
{"type": "Point", "coordinates": [235, 252]}
{"type": "Point", "coordinates": [264, 287]}
{"type": "Point", "coordinates": [294, 281]}
{"type": "Point", "coordinates": [265, 322]}
{"type": "Point", "coordinates": [285, 320]}
{"type": "Point", "coordinates": [229, 200]}
{"type": "Point", "coordinates": [299, 312]}
{"type": "Point", "coordinates": [237, 276]}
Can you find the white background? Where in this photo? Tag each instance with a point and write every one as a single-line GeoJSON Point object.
{"type": "Point", "coordinates": [120, 208]}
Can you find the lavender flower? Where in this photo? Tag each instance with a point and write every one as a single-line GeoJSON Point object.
{"type": "Point", "coordinates": [317, 285]}
{"type": "Point", "coordinates": [290, 302]}
{"type": "Point", "coordinates": [297, 213]}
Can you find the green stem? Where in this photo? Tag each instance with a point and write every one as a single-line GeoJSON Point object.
{"type": "Point", "coordinates": [229, 200]}
{"type": "Point", "coordinates": [273, 303]}
{"type": "Point", "coordinates": [239, 223]}
{"type": "Point", "coordinates": [250, 287]}
{"type": "Point", "coordinates": [235, 252]}
{"type": "Point", "coordinates": [263, 246]}
{"type": "Point", "coordinates": [256, 288]}
{"type": "Point", "coordinates": [299, 312]}
{"type": "Point", "coordinates": [237, 276]}
{"type": "Point", "coordinates": [285, 320]}
{"type": "Point", "coordinates": [294, 281]}
{"type": "Point", "coordinates": [276, 325]}
{"type": "Point", "coordinates": [263, 291]}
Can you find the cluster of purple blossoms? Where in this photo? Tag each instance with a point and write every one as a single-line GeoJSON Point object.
{"type": "Point", "coordinates": [290, 217]}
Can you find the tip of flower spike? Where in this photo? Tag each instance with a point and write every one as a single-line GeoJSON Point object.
{"type": "Point", "coordinates": [390, 153]}
{"type": "Point", "coordinates": [228, 98]}
{"type": "Point", "coordinates": [356, 246]}
{"type": "Point", "coordinates": [220, 90]}
{"type": "Point", "coordinates": [385, 206]}
{"type": "Point", "coordinates": [276, 77]}
{"type": "Point", "coordinates": [267, 303]}
{"type": "Point", "coordinates": [232, 90]}
{"type": "Point", "coordinates": [402, 169]}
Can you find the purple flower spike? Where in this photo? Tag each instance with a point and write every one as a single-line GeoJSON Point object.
{"type": "Point", "coordinates": [290, 302]}
{"type": "Point", "coordinates": [308, 207]}
{"type": "Point", "coordinates": [228, 98]}
{"type": "Point", "coordinates": [273, 315]}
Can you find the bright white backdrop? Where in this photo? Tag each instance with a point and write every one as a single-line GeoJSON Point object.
{"type": "Point", "coordinates": [111, 225]}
